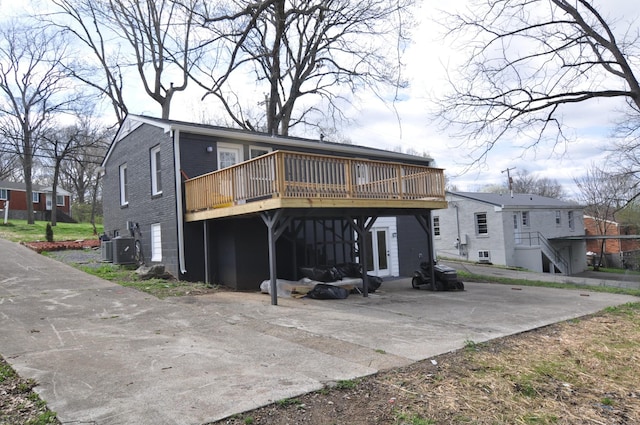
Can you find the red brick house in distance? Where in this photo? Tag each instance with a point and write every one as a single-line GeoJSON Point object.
{"type": "Point", "coordinates": [15, 195]}
{"type": "Point", "coordinates": [621, 242]}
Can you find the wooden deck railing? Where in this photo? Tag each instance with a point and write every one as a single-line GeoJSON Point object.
{"type": "Point", "coordinates": [283, 174]}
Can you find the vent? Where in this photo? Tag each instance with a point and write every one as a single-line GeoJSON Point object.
{"type": "Point", "coordinates": [484, 257]}
{"type": "Point", "coordinates": [106, 249]}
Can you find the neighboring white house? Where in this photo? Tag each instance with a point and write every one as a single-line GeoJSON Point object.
{"type": "Point", "coordinates": [529, 231]}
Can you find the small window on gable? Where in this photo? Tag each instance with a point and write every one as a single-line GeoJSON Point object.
{"type": "Point", "coordinates": [481, 224]}
{"type": "Point", "coordinates": [3, 194]}
{"type": "Point", "coordinates": [35, 197]}
{"type": "Point", "coordinates": [124, 185]}
{"type": "Point", "coordinates": [60, 200]}
{"type": "Point", "coordinates": [436, 226]}
{"type": "Point", "coordinates": [156, 171]}
{"type": "Point", "coordinates": [558, 218]}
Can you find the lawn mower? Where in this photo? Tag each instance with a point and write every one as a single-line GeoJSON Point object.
{"type": "Point", "coordinates": [446, 278]}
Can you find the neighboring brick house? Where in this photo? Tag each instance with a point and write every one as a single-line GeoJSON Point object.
{"type": "Point", "coordinates": [16, 196]}
{"type": "Point", "coordinates": [621, 242]}
{"type": "Point", "coordinates": [212, 203]}
{"type": "Point", "coordinates": [529, 231]}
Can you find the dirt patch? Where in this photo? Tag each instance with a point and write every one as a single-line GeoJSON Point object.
{"type": "Point", "coordinates": [41, 246]}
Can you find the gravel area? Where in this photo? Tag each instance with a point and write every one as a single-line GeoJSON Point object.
{"type": "Point", "coordinates": [88, 257]}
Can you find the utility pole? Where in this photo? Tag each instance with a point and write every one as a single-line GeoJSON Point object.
{"type": "Point", "coordinates": [509, 179]}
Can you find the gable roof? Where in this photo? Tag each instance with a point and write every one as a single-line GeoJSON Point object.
{"type": "Point", "coordinates": [133, 121]}
{"type": "Point", "coordinates": [518, 200]}
{"type": "Point", "coordinates": [22, 187]}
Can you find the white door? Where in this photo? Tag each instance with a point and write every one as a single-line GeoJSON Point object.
{"type": "Point", "coordinates": [516, 228]}
{"type": "Point", "coordinates": [49, 202]}
{"type": "Point", "coordinates": [228, 155]}
{"type": "Point", "coordinates": [378, 254]}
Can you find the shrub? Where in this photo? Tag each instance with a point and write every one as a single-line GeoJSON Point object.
{"type": "Point", "coordinates": [49, 233]}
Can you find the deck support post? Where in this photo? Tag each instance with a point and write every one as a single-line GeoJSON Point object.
{"type": "Point", "coordinates": [276, 225]}
{"type": "Point", "coordinates": [362, 225]}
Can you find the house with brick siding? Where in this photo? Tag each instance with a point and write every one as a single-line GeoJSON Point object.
{"type": "Point", "coordinates": [13, 195]}
{"type": "Point", "coordinates": [236, 207]}
{"type": "Point", "coordinates": [621, 242]}
{"type": "Point", "coordinates": [520, 230]}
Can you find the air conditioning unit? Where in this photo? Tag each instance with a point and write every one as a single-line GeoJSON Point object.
{"type": "Point", "coordinates": [106, 249]}
{"type": "Point", "coordinates": [124, 250]}
{"type": "Point", "coordinates": [484, 257]}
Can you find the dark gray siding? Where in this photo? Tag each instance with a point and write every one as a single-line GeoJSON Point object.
{"type": "Point", "coordinates": [412, 241]}
{"type": "Point", "coordinates": [143, 208]}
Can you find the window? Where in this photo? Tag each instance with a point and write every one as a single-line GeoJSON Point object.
{"type": "Point", "coordinates": [481, 224]}
{"type": "Point", "coordinates": [525, 218]}
{"type": "Point", "coordinates": [570, 220]}
{"type": "Point", "coordinates": [436, 226]}
{"type": "Point", "coordinates": [124, 183]}
{"type": "Point", "coordinates": [156, 171]}
{"type": "Point", "coordinates": [255, 151]}
{"type": "Point", "coordinates": [35, 197]}
{"type": "Point", "coordinates": [3, 194]}
{"type": "Point", "coordinates": [156, 242]}
{"type": "Point", "coordinates": [558, 218]}
{"type": "Point", "coordinates": [60, 200]}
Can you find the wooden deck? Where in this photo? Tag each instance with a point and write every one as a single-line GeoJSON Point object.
{"type": "Point", "coordinates": [283, 179]}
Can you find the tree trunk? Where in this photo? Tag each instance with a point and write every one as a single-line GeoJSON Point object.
{"type": "Point", "coordinates": [274, 78]}
{"type": "Point", "coordinates": [54, 194]}
{"type": "Point", "coordinates": [27, 166]}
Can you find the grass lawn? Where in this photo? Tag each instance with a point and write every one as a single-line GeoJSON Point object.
{"type": "Point", "coordinates": [20, 231]}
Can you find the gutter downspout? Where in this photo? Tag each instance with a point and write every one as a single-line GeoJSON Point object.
{"type": "Point", "coordinates": [179, 212]}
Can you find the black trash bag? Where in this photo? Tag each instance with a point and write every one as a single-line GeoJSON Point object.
{"type": "Point", "coordinates": [374, 283]}
{"type": "Point", "coordinates": [327, 292]}
{"type": "Point", "coordinates": [349, 269]}
{"type": "Point", "coordinates": [321, 273]}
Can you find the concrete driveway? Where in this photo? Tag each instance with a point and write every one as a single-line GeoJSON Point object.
{"type": "Point", "coordinates": [106, 354]}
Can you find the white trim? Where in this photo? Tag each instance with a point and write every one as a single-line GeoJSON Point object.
{"type": "Point", "coordinates": [6, 194]}
{"type": "Point", "coordinates": [123, 184]}
{"type": "Point", "coordinates": [35, 197]}
{"type": "Point", "coordinates": [155, 154]}
{"type": "Point", "coordinates": [57, 199]}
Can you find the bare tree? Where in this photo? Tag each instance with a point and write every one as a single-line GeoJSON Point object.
{"type": "Point", "coordinates": [528, 62]}
{"type": "Point", "coordinates": [33, 89]}
{"type": "Point", "coordinates": [525, 182]}
{"type": "Point", "coordinates": [70, 145]}
{"type": "Point", "coordinates": [603, 194]}
{"type": "Point", "coordinates": [153, 37]}
{"type": "Point", "coordinates": [83, 20]}
{"type": "Point", "coordinates": [303, 49]}
{"type": "Point", "coordinates": [9, 163]}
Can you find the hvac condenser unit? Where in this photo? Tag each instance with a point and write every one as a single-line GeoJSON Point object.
{"type": "Point", "coordinates": [106, 249]}
{"type": "Point", "coordinates": [124, 250]}
{"type": "Point", "coordinates": [484, 257]}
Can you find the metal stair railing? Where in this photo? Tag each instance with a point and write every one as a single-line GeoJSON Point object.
{"type": "Point", "coordinates": [554, 256]}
